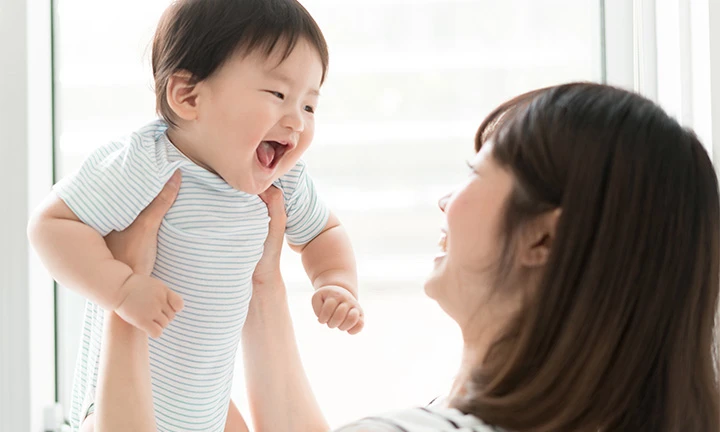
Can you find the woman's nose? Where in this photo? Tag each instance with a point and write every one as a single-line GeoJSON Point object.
{"type": "Point", "coordinates": [442, 202]}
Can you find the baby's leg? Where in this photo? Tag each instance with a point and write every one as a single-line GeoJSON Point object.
{"type": "Point", "coordinates": [235, 421]}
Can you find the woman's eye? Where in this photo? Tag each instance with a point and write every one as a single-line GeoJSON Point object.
{"type": "Point", "coordinates": [310, 109]}
{"type": "Point", "coordinates": [277, 94]}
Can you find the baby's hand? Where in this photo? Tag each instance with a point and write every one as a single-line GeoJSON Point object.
{"type": "Point", "coordinates": [148, 304]}
{"type": "Point", "coordinates": [337, 307]}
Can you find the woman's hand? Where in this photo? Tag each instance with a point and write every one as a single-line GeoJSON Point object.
{"type": "Point", "coordinates": [268, 268]}
{"type": "Point", "coordinates": [148, 303]}
{"type": "Point", "coordinates": [279, 394]}
{"type": "Point", "coordinates": [137, 245]}
{"type": "Point", "coordinates": [124, 394]}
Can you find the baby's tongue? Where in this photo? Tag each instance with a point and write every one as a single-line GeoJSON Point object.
{"type": "Point", "coordinates": [266, 153]}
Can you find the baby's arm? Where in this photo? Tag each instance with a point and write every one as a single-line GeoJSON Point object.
{"type": "Point", "coordinates": [330, 263]}
{"type": "Point", "coordinates": [329, 258]}
{"type": "Point", "coordinates": [77, 257]}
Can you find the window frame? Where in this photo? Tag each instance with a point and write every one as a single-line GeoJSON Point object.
{"type": "Point", "coordinates": [27, 360]}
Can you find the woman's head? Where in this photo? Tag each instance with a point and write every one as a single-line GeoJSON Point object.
{"type": "Point", "coordinates": [607, 226]}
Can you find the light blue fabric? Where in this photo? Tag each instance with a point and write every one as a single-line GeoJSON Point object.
{"type": "Point", "coordinates": [208, 246]}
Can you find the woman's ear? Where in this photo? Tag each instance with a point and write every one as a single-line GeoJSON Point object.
{"type": "Point", "coordinates": [538, 239]}
{"type": "Point", "coordinates": [182, 95]}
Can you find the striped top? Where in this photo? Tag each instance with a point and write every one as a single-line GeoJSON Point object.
{"type": "Point", "coordinates": [425, 419]}
{"type": "Point", "coordinates": [208, 246]}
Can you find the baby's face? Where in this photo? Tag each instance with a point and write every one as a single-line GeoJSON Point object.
{"type": "Point", "coordinates": [256, 116]}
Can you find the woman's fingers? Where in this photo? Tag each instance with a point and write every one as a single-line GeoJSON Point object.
{"type": "Point", "coordinates": [273, 197]}
{"type": "Point", "coordinates": [136, 246]}
{"type": "Point", "coordinates": [269, 264]}
{"type": "Point", "coordinates": [151, 217]}
{"type": "Point", "coordinates": [275, 202]}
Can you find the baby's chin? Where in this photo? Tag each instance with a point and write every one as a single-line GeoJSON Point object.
{"type": "Point", "coordinates": [250, 186]}
{"type": "Point", "coordinates": [254, 181]}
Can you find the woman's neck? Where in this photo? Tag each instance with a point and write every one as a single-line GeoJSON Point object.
{"type": "Point", "coordinates": [478, 337]}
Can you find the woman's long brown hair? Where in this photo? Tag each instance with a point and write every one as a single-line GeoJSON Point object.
{"type": "Point", "coordinates": [620, 334]}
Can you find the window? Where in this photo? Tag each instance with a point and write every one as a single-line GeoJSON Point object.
{"type": "Point", "coordinates": [409, 82]}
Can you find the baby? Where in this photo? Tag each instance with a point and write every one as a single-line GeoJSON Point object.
{"type": "Point", "coordinates": [237, 85]}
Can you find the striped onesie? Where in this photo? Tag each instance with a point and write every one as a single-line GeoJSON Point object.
{"type": "Point", "coordinates": [208, 246]}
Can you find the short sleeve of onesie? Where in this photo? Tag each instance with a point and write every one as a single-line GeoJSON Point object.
{"type": "Point", "coordinates": [307, 214]}
{"type": "Point", "coordinates": [116, 182]}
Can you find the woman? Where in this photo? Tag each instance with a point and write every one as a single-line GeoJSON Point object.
{"type": "Point", "coordinates": [580, 260]}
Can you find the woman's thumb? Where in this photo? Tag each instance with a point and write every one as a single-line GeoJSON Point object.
{"type": "Point", "coordinates": [155, 212]}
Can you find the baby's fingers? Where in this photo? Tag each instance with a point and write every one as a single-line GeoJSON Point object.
{"type": "Point", "coordinates": [353, 317]}
{"type": "Point", "coordinates": [162, 320]}
{"type": "Point", "coordinates": [317, 304]}
{"type": "Point", "coordinates": [357, 327]}
{"type": "Point", "coordinates": [327, 310]}
{"type": "Point", "coordinates": [339, 315]}
{"type": "Point", "coordinates": [169, 313]}
{"type": "Point", "coordinates": [153, 329]}
{"type": "Point", "coordinates": [175, 301]}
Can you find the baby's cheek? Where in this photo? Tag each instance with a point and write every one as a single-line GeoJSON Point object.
{"type": "Point", "coordinates": [304, 144]}
{"type": "Point", "coordinates": [292, 159]}
{"type": "Point", "coordinates": [308, 134]}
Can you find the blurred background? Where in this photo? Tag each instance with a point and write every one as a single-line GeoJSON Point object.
{"type": "Point", "coordinates": [409, 82]}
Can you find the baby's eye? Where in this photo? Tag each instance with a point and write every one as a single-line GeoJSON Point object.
{"type": "Point", "coordinates": [277, 94]}
{"type": "Point", "coordinates": [310, 109]}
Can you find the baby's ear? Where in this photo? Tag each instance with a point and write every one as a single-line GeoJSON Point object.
{"type": "Point", "coordinates": [538, 238]}
{"type": "Point", "coordinates": [182, 95]}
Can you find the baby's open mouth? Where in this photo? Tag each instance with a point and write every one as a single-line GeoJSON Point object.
{"type": "Point", "coordinates": [269, 153]}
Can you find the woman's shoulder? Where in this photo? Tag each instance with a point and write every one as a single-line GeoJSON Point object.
{"type": "Point", "coordinates": [425, 419]}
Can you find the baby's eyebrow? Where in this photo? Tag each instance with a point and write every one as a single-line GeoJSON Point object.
{"type": "Point", "coordinates": [288, 80]}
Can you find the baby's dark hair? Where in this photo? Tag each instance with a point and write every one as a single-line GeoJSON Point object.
{"type": "Point", "coordinates": [199, 36]}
